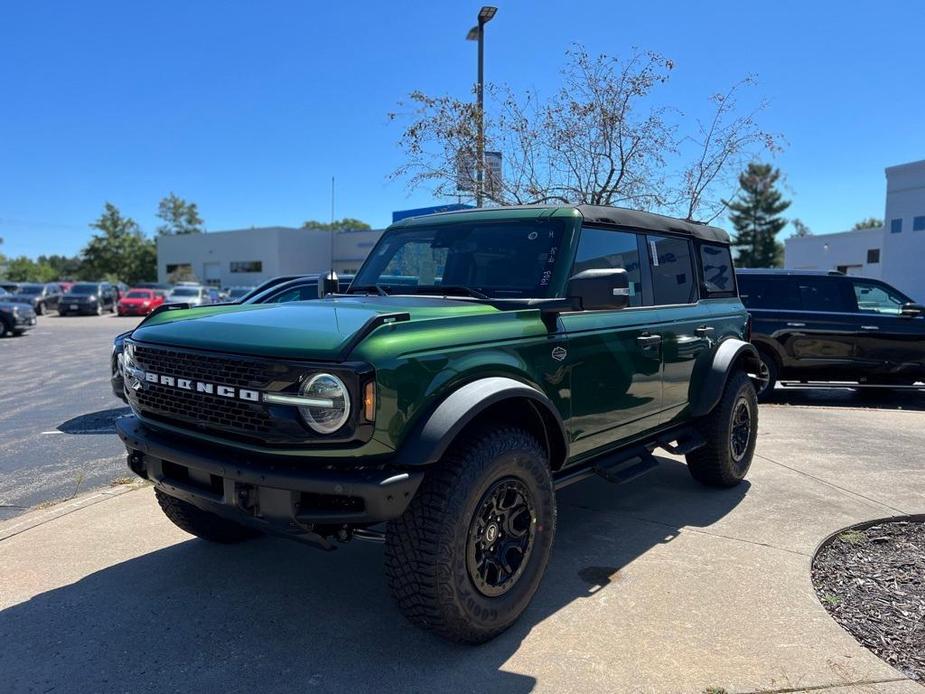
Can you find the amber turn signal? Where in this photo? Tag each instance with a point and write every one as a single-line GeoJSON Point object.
{"type": "Point", "coordinates": [369, 401]}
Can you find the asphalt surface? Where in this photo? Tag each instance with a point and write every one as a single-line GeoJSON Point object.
{"type": "Point", "coordinates": [57, 411]}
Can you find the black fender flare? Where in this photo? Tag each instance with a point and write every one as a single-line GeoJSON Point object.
{"type": "Point", "coordinates": [429, 439]}
{"type": "Point", "coordinates": [707, 387]}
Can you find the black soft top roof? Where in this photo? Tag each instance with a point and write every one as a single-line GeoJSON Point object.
{"type": "Point", "coordinates": [651, 222]}
{"type": "Point", "coordinates": [598, 214]}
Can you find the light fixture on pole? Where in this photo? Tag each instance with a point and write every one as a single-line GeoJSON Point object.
{"type": "Point", "coordinates": [477, 33]}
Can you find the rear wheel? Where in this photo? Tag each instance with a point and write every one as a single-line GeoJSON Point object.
{"type": "Point", "coordinates": [39, 308]}
{"type": "Point", "coordinates": [730, 432]}
{"type": "Point", "coordinates": [469, 553]}
{"type": "Point", "coordinates": [201, 523]}
{"type": "Point", "coordinates": [765, 390]}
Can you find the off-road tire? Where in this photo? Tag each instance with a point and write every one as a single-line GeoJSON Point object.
{"type": "Point", "coordinates": [715, 464]}
{"type": "Point", "coordinates": [426, 548]}
{"type": "Point", "coordinates": [201, 523]}
{"type": "Point", "coordinates": [767, 392]}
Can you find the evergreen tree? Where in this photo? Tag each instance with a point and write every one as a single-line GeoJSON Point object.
{"type": "Point", "coordinates": [755, 214]}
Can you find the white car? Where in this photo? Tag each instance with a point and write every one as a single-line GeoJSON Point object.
{"type": "Point", "coordinates": [194, 296]}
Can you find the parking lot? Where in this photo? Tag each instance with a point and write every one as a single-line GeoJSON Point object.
{"type": "Point", "coordinates": [56, 410]}
{"type": "Point", "coordinates": [658, 585]}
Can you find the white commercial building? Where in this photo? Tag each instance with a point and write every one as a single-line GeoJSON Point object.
{"type": "Point", "coordinates": [247, 257]}
{"type": "Point", "coordinates": [894, 252]}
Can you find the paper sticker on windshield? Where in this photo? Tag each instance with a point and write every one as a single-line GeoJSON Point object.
{"type": "Point", "coordinates": [654, 253]}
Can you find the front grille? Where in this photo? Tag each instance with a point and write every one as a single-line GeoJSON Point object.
{"type": "Point", "coordinates": [203, 410]}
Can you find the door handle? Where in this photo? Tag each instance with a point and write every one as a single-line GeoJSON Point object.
{"type": "Point", "coordinates": [796, 325]}
{"type": "Point", "coordinates": [646, 340]}
{"type": "Point", "coordinates": [704, 330]}
{"type": "Point", "coordinates": [870, 327]}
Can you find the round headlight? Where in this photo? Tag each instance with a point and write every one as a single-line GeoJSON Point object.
{"type": "Point", "coordinates": [330, 416]}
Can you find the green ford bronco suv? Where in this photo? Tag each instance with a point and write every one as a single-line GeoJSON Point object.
{"type": "Point", "coordinates": [479, 361]}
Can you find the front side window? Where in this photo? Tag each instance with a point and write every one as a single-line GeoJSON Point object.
{"type": "Point", "coordinates": [873, 297]}
{"type": "Point", "coordinates": [770, 293]}
{"type": "Point", "coordinates": [508, 259]}
{"type": "Point", "coordinates": [718, 275]}
{"type": "Point", "coordinates": [672, 270]}
{"type": "Point", "coordinates": [602, 249]}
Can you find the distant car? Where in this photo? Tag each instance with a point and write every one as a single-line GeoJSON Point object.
{"type": "Point", "coordinates": [190, 295]}
{"type": "Point", "coordinates": [88, 298]}
{"type": "Point", "coordinates": [286, 289]}
{"type": "Point", "coordinates": [9, 287]}
{"type": "Point", "coordinates": [829, 327]}
{"type": "Point", "coordinates": [139, 302]}
{"type": "Point", "coordinates": [15, 317]}
{"type": "Point", "coordinates": [238, 293]}
{"type": "Point", "coordinates": [42, 297]}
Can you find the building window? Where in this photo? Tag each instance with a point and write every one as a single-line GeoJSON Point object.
{"type": "Point", "coordinates": [918, 224]}
{"type": "Point", "coordinates": [247, 266]}
{"type": "Point", "coordinates": [896, 226]}
{"type": "Point", "coordinates": [873, 256]}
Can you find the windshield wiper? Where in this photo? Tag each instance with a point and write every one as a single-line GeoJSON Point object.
{"type": "Point", "coordinates": [367, 288]}
{"type": "Point", "coordinates": [443, 290]}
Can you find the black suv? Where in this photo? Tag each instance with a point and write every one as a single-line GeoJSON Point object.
{"type": "Point", "coordinates": [42, 297]}
{"type": "Point", "coordinates": [88, 298]}
{"type": "Point", "coordinates": [826, 326]}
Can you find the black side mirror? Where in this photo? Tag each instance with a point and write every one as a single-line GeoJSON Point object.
{"type": "Point", "coordinates": [913, 310]}
{"type": "Point", "coordinates": [600, 289]}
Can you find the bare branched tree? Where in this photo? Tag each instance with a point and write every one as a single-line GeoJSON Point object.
{"type": "Point", "coordinates": [600, 139]}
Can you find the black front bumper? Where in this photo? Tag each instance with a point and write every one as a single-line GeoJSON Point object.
{"type": "Point", "coordinates": [291, 496]}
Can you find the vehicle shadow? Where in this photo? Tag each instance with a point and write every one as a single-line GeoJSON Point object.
{"type": "Point", "coordinates": [101, 422]}
{"type": "Point", "coordinates": [869, 398]}
{"type": "Point", "coordinates": [273, 616]}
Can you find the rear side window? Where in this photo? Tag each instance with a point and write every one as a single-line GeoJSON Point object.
{"type": "Point", "coordinates": [602, 249]}
{"type": "Point", "coordinates": [672, 270]}
{"type": "Point", "coordinates": [718, 274]}
{"type": "Point", "coordinates": [775, 293]}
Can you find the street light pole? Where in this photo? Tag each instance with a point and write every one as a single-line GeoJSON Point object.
{"type": "Point", "coordinates": [478, 33]}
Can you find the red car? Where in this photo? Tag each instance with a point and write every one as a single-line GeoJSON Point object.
{"type": "Point", "coordinates": [139, 302]}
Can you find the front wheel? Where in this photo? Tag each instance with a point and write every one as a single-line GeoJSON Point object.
{"type": "Point", "coordinates": [469, 552]}
{"type": "Point", "coordinates": [730, 432]}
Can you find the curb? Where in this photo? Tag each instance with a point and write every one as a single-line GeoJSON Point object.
{"type": "Point", "coordinates": [33, 519]}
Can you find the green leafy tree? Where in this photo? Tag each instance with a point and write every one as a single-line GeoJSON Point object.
{"type": "Point", "coordinates": [64, 267]}
{"type": "Point", "coordinates": [179, 216]}
{"type": "Point", "coordinates": [345, 224]}
{"type": "Point", "coordinates": [120, 251]}
{"type": "Point", "coordinates": [755, 214]}
{"type": "Point", "coordinates": [23, 269]}
{"type": "Point", "coordinates": [869, 223]}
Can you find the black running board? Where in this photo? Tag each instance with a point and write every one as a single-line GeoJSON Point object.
{"type": "Point", "coordinates": [627, 464]}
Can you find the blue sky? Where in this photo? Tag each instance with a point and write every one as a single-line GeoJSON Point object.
{"type": "Point", "coordinates": [248, 109]}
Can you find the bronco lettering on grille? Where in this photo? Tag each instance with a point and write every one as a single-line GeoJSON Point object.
{"type": "Point", "coordinates": [201, 387]}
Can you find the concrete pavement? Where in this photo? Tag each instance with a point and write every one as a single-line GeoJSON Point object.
{"type": "Point", "coordinates": [657, 586]}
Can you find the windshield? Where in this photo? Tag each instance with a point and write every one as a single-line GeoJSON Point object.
{"type": "Point", "coordinates": [83, 289]}
{"type": "Point", "coordinates": [510, 259]}
{"type": "Point", "coordinates": [30, 289]}
{"type": "Point", "coordinates": [185, 291]}
{"type": "Point", "coordinates": [139, 295]}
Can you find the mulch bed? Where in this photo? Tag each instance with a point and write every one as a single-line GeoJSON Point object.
{"type": "Point", "coordinates": [873, 583]}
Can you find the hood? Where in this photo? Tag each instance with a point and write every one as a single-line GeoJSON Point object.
{"type": "Point", "coordinates": [318, 329]}
{"type": "Point", "coordinates": [8, 303]}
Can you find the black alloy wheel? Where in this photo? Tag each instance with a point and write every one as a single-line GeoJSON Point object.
{"type": "Point", "coordinates": [501, 537]}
